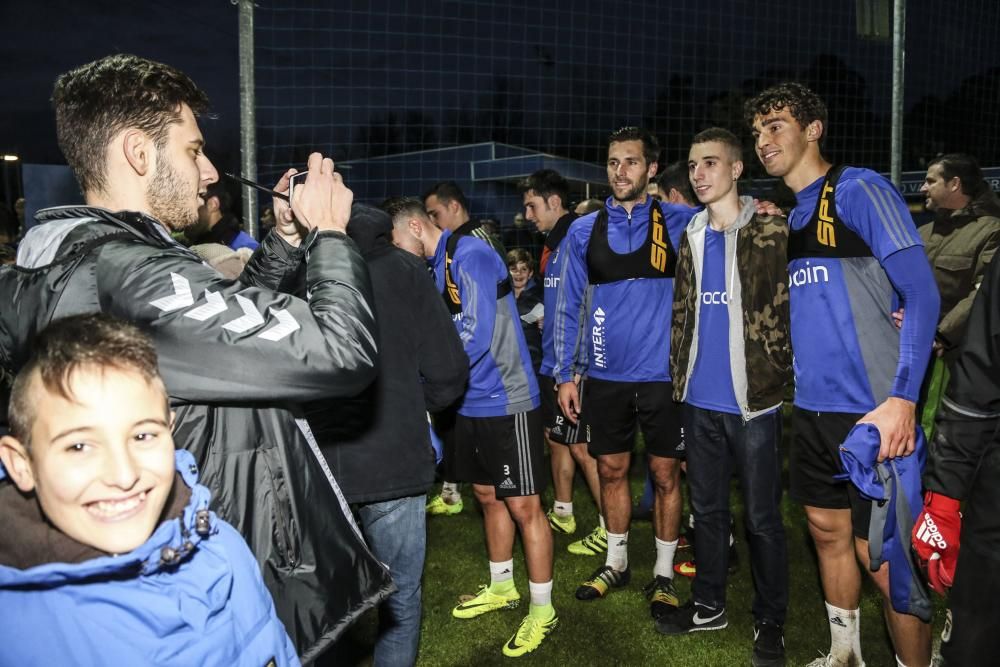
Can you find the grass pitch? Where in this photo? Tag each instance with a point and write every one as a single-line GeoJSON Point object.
{"type": "Point", "coordinates": [616, 630]}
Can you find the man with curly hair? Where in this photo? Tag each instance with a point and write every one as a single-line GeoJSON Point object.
{"type": "Point", "coordinates": [853, 251]}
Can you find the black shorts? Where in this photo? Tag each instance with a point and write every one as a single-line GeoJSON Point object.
{"type": "Point", "coordinates": [614, 408]}
{"type": "Point", "coordinates": [561, 430]}
{"type": "Point", "coordinates": [503, 452]}
{"type": "Point", "coordinates": [815, 460]}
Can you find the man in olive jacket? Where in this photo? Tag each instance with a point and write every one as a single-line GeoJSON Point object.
{"type": "Point", "coordinates": [961, 241]}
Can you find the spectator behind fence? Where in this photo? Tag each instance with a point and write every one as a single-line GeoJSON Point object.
{"type": "Point", "coordinates": [233, 354]}
{"type": "Point", "coordinates": [377, 443]}
{"type": "Point", "coordinates": [216, 222]}
{"type": "Point", "coordinates": [109, 554]}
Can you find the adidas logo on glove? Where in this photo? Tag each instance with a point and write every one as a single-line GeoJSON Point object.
{"type": "Point", "coordinates": [929, 534]}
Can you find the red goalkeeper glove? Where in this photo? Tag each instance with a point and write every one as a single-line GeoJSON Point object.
{"type": "Point", "coordinates": [935, 539]}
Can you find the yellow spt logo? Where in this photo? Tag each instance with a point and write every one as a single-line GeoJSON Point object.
{"type": "Point", "coordinates": [658, 253]}
{"type": "Point", "coordinates": [450, 284]}
{"type": "Point", "coordinates": [824, 230]}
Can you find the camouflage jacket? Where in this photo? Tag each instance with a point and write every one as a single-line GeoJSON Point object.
{"type": "Point", "coordinates": [758, 305]}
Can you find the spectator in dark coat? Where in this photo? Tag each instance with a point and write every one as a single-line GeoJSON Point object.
{"type": "Point", "coordinates": [378, 443]}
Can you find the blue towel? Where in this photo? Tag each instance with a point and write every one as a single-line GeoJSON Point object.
{"type": "Point", "coordinates": [894, 489]}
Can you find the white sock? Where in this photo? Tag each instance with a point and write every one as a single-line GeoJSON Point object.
{"type": "Point", "coordinates": [600, 518]}
{"type": "Point", "coordinates": [664, 566]}
{"type": "Point", "coordinates": [541, 594]}
{"type": "Point", "coordinates": [449, 492]}
{"type": "Point", "coordinates": [501, 572]}
{"type": "Point", "coordinates": [563, 509]}
{"type": "Point", "coordinates": [900, 663]}
{"type": "Point", "coordinates": [845, 634]}
{"type": "Point", "coordinates": [617, 551]}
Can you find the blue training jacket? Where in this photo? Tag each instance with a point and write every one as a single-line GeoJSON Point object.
{"type": "Point", "coordinates": [893, 487]}
{"type": "Point", "coordinates": [209, 606]}
{"type": "Point", "coordinates": [626, 324]}
{"type": "Point", "coordinates": [501, 376]}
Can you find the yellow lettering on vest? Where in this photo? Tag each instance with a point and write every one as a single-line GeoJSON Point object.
{"type": "Point", "coordinates": [658, 251]}
{"type": "Point", "coordinates": [450, 284]}
{"type": "Point", "coordinates": [824, 229]}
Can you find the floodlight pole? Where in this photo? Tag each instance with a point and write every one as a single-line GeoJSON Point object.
{"type": "Point", "coordinates": [898, 61]}
{"type": "Point", "coordinates": [248, 116]}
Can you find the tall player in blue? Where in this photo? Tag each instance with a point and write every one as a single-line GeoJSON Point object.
{"type": "Point", "coordinates": [620, 262]}
{"type": "Point", "coordinates": [853, 253]}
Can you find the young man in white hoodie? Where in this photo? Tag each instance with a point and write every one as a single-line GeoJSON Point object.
{"type": "Point", "coordinates": [731, 360]}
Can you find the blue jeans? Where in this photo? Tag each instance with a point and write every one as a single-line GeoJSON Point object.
{"type": "Point", "coordinates": [718, 443]}
{"type": "Point", "coordinates": [396, 532]}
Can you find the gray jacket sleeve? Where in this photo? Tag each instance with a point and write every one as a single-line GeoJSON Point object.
{"type": "Point", "coordinates": [226, 341]}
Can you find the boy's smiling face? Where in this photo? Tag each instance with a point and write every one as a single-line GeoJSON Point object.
{"type": "Point", "coordinates": [101, 462]}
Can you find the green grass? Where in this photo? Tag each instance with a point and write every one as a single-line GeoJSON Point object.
{"type": "Point", "coordinates": [616, 630]}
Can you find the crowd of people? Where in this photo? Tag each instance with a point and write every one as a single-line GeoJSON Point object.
{"type": "Point", "coordinates": [216, 456]}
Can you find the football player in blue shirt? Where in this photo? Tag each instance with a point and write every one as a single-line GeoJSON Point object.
{"type": "Point", "coordinates": [854, 256]}
{"type": "Point", "coordinates": [619, 262]}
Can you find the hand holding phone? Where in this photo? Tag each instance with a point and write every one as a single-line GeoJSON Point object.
{"type": "Point", "coordinates": [321, 200]}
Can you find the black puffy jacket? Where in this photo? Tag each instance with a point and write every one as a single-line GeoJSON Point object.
{"type": "Point", "coordinates": [236, 356]}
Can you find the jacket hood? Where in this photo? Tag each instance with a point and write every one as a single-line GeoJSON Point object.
{"type": "Point", "coordinates": [370, 228]}
{"type": "Point", "coordinates": [747, 211]}
{"type": "Point", "coordinates": [43, 242]}
{"type": "Point", "coordinates": [985, 205]}
{"type": "Point", "coordinates": [173, 541]}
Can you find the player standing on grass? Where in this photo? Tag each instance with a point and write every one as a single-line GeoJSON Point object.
{"type": "Point", "coordinates": [623, 256]}
{"type": "Point", "coordinates": [852, 250]}
{"type": "Point", "coordinates": [496, 433]}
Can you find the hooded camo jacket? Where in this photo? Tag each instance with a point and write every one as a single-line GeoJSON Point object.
{"type": "Point", "coordinates": [757, 283]}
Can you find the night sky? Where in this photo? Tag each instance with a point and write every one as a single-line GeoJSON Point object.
{"type": "Point", "coordinates": [52, 36]}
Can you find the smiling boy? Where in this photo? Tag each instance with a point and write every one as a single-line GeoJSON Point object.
{"type": "Point", "coordinates": [731, 360]}
{"type": "Point", "coordinates": [107, 548]}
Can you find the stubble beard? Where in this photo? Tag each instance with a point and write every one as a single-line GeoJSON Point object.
{"type": "Point", "coordinates": [166, 194]}
{"type": "Point", "coordinates": [634, 194]}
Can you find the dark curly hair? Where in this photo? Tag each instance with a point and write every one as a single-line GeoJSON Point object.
{"type": "Point", "coordinates": [98, 100]}
{"type": "Point", "coordinates": [803, 104]}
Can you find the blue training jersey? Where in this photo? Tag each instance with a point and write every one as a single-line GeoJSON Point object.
{"type": "Point", "coordinates": [623, 333]}
{"type": "Point", "coordinates": [501, 377]}
{"type": "Point", "coordinates": [711, 384]}
{"type": "Point", "coordinates": [846, 347]}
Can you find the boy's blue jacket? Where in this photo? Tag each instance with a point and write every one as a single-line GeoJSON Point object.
{"type": "Point", "coordinates": [191, 595]}
{"type": "Point", "coordinates": [894, 489]}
